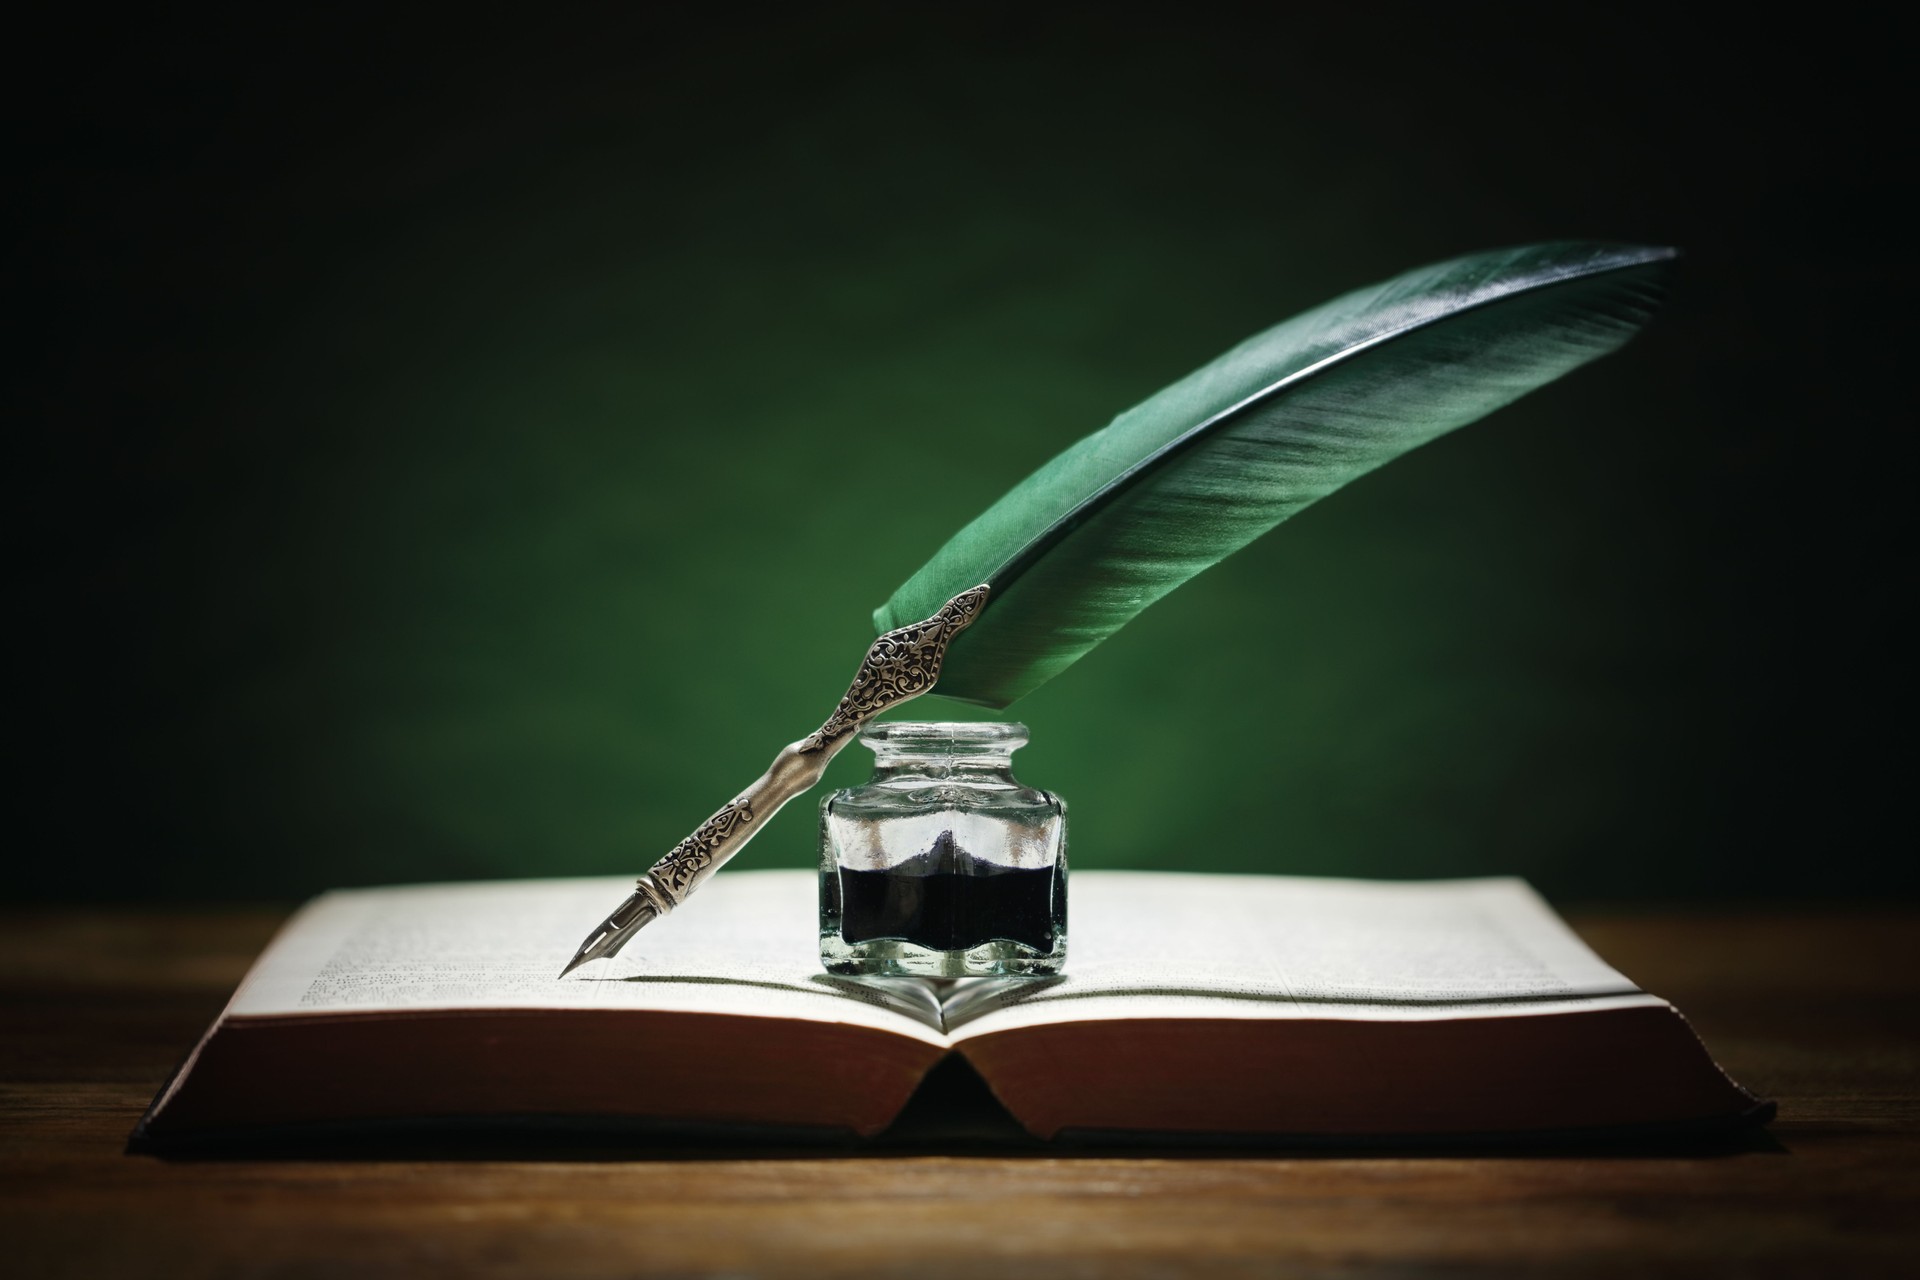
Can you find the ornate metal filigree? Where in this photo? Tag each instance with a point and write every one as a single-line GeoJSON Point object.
{"type": "Point", "coordinates": [903, 663]}
{"type": "Point", "coordinates": [676, 872]}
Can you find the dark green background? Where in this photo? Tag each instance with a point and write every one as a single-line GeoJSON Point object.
{"type": "Point", "coordinates": [470, 447]}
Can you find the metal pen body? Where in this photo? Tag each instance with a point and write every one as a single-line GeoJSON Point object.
{"type": "Point", "coordinates": [902, 664]}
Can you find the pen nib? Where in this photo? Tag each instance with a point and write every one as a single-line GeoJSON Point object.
{"type": "Point", "coordinates": [613, 933]}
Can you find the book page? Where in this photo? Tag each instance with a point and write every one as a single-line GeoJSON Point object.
{"type": "Point", "coordinates": [1167, 945]}
{"type": "Point", "coordinates": [1141, 945]}
{"type": "Point", "coordinates": [746, 945]}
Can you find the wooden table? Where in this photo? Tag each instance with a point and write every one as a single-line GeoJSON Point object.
{"type": "Point", "coordinates": [1817, 1009]}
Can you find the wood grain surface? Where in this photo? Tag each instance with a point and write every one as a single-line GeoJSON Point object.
{"type": "Point", "coordinates": [1817, 1009]}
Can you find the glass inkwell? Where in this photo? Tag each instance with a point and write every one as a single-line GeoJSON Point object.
{"type": "Point", "coordinates": [943, 865]}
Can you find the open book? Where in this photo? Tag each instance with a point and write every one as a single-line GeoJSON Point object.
{"type": "Point", "coordinates": [1191, 1004]}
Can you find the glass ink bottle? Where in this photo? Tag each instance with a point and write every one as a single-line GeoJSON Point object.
{"type": "Point", "coordinates": [943, 865]}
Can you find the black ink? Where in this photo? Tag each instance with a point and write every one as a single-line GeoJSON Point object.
{"type": "Point", "coordinates": [946, 901]}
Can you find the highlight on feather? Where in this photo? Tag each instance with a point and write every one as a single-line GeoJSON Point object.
{"type": "Point", "coordinates": [1181, 481]}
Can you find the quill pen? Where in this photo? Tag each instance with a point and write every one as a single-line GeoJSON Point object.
{"type": "Point", "coordinates": [1181, 481]}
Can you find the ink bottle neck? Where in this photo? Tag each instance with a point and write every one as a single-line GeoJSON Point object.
{"type": "Point", "coordinates": [915, 751]}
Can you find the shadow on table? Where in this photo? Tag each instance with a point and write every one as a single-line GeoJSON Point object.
{"type": "Point", "coordinates": [952, 1113]}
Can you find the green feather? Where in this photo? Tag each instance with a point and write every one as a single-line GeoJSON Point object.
{"type": "Point", "coordinates": [1182, 481]}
